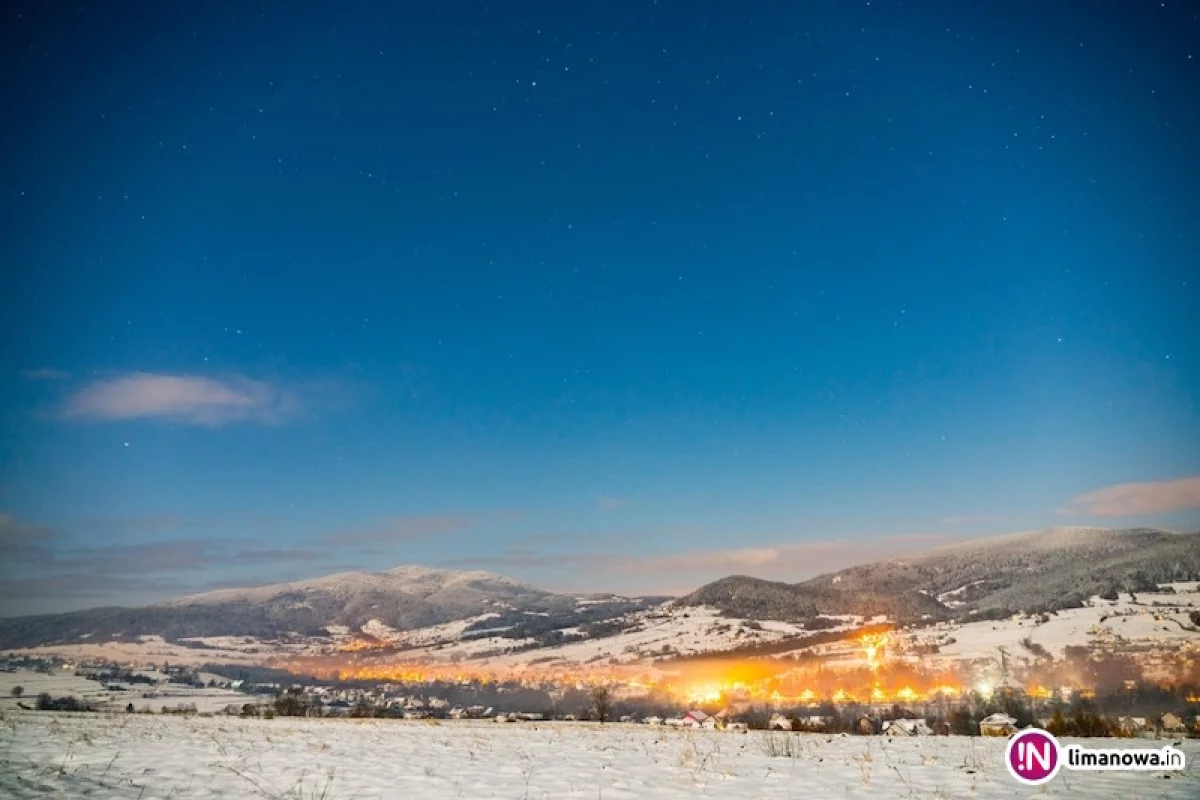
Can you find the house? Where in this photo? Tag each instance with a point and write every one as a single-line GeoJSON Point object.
{"type": "Point", "coordinates": [779, 722]}
{"type": "Point", "coordinates": [717, 721]}
{"type": "Point", "coordinates": [906, 727]}
{"type": "Point", "coordinates": [1171, 723]}
{"type": "Point", "coordinates": [693, 719]}
{"type": "Point", "coordinates": [815, 723]}
{"type": "Point", "coordinates": [998, 724]}
{"type": "Point", "coordinates": [1132, 726]}
{"type": "Point", "coordinates": [653, 720]}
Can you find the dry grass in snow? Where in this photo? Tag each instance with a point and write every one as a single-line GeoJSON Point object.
{"type": "Point", "coordinates": [147, 757]}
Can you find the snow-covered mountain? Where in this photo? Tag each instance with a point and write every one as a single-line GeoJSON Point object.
{"type": "Point", "coordinates": [402, 599]}
{"type": "Point", "coordinates": [446, 614]}
{"type": "Point", "coordinates": [1037, 571]}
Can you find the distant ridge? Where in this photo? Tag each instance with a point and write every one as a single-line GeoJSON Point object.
{"type": "Point", "coordinates": [402, 598]}
{"type": "Point", "coordinates": [1036, 571]}
{"type": "Point", "coordinates": [1033, 571]}
{"type": "Point", "coordinates": [413, 580]}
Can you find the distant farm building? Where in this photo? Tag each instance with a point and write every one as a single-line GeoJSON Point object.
{"type": "Point", "coordinates": [998, 724]}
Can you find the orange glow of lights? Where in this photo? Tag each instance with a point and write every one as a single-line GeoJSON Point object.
{"type": "Point", "coordinates": [705, 694]}
{"type": "Point", "coordinates": [781, 683]}
{"type": "Point", "coordinates": [872, 645]}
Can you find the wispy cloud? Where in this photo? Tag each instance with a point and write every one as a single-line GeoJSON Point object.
{"type": "Point", "coordinates": [625, 572]}
{"type": "Point", "coordinates": [79, 584]}
{"type": "Point", "coordinates": [45, 374]}
{"type": "Point", "coordinates": [791, 562]}
{"type": "Point", "coordinates": [960, 520]}
{"type": "Point", "coordinates": [17, 533]}
{"type": "Point", "coordinates": [186, 399]}
{"type": "Point", "coordinates": [25, 552]}
{"type": "Point", "coordinates": [139, 524]}
{"type": "Point", "coordinates": [1133, 499]}
{"type": "Point", "coordinates": [526, 559]}
{"type": "Point", "coordinates": [401, 529]}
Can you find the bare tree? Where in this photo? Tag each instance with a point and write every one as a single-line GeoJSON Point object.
{"type": "Point", "coordinates": [601, 702]}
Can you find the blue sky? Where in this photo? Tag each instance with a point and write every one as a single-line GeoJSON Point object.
{"type": "Point", "coordinates": [627, 297]}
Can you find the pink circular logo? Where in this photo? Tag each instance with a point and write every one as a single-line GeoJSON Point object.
{"type": "Point", "coordinates": [1032, 756]}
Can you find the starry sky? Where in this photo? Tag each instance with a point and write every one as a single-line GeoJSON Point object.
{"type": "Point", "coordinates": [622, 296]}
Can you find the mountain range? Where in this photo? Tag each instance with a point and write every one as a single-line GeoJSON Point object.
{"type": "Point", "coordinates": [1037, 571]}
{"type": "Point", "coordinates": [1032, 572]}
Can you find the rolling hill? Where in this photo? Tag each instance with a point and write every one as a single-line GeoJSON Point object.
{"type": "Point", "coordinates": [404, 598]}
{"type": "Point", "coordinates": [1039, 571]}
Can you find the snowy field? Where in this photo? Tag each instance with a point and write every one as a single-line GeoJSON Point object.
{"type": "Point", "coordinates": [144, 697]}
{"type": "Point", "coordinates": [1152, 620]}
{"type": "Point", "coordinates": [147, 757]}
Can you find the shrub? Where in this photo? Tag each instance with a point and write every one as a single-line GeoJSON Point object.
{"type": "Point", "coordinates": [291, 703]}
{"type": "Point", "coordinates": [780, 745]}
{"type": "Point", "coordinates": [47, 703]}
{"type": "Point", "coordinates": [1029, 644]}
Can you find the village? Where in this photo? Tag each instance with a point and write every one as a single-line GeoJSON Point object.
{"type": "Point", "coordinates": [52, 684]}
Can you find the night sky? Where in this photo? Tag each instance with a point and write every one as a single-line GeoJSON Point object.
{"type": "Point", "coordinates": [626, 295]}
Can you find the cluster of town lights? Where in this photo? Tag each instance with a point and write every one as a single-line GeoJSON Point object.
{"type": "Point", "coordinates": [700, 683]}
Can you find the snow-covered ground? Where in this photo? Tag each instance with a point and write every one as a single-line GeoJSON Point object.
{"type": "Point", "coordinates": [156, 650]}
{"type": "Point", "coordinates": [143, 696]}
{"type": "Point", "coordinates": [147, 757]}
{"type": "Point", "coordinates": [686, 631]}
{"type": "Point", "coordinates": [1151, 620]}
